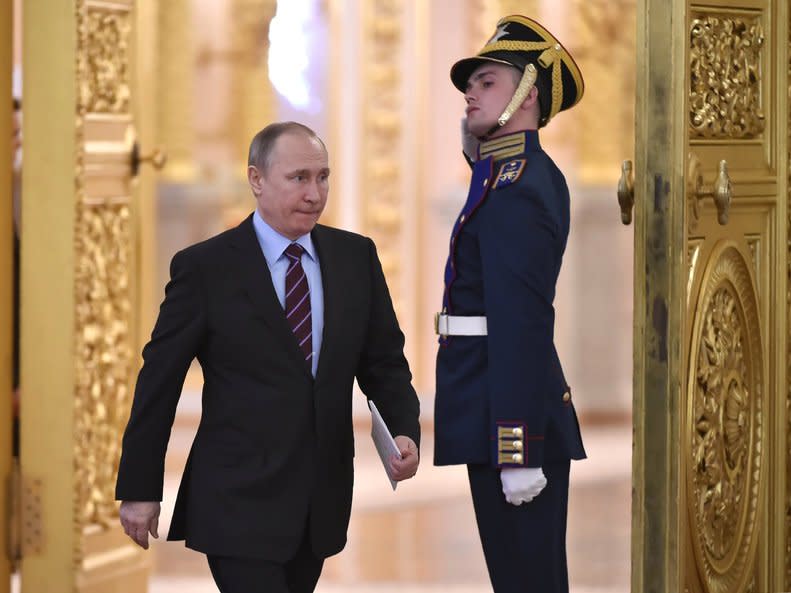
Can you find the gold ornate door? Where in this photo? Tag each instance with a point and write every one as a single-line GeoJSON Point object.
{"type": "Point", "coordinates": [6, 280]}
{"type": "Point", "coordinates": [710, 504]}
{"type": "Point", "coordinates": [83, 208]}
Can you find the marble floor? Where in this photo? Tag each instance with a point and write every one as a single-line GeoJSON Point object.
{"type": "Point", "coordinates": [422, 538]}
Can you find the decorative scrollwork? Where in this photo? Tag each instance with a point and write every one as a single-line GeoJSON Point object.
{"type": "Point", "coordinates": [104, 61]}
{"type": "Point", "coordinates": [726, 431]}
{"type": "Point", "coordinates": [725, 77]}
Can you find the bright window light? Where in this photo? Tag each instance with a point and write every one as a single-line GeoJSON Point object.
{"type": "Point", "coordinates": [289, 44]}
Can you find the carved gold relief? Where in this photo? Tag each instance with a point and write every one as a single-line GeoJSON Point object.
{"type": "Point", "coordinates": [725, 436]}
{"type": "Point", "coordinates": [104, 61]}
{"type": "Point", "coordinates": [725, 77]}
{"type": "Point", "coordinates": [382, 135]}
{"type": "Point", "coordinates": [103, 354]}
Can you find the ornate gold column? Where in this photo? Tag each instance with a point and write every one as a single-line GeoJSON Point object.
{"type": "Point", "coordinates": [176, 88]}
{"type": "Point", "coordinates": [603, 42]}
{"type": "Point", "coordinates": [254, 95]}
{"type": "Point", "coordinates": [381, 136]}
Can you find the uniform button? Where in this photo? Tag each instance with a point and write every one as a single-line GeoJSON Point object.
{"type": "Point", "coordinates": [557, 47]}
{"type": "Point", "coordinates": [462, 218]}
{"type": "Point", "coordinates": [567, 397]}
{"type": "Point", "coordinates": [517, 457]}
{"type": "Point", "coordinates": [485, 181]}
{"type": "Point", "coordinates": [518, 445]}
{"type": "Point", "coordinates": [517, 432]}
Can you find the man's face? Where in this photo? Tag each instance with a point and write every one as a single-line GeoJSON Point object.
{"type": "Point", "coordinates": [292, 192]}
{"type": "Point", "coordinates": [489, 89]}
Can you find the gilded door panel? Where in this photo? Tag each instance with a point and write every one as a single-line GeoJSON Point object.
{"type": "Point", "coordinates": [6, 282]}
{"type": "Point", "coordinates": [720, 286]}
{"type": "Point", "coordinates": [80, 293]}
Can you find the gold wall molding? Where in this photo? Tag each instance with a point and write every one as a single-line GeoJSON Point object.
{"type": "Point", "coordinates": [788, 331]}
{"type": "Point", "coordinates": [693, 257]}
{"type": "Point", "coordinates": [382, 136]}
{"type": "Point", "coordinates": [725, 97]}
{"type": "Point", "coordinates": [725, 435]}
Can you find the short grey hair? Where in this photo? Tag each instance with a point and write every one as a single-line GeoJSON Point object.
{"type": "Point", "coordinates": [263, 143]}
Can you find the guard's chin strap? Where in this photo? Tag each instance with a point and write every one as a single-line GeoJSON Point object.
{"type": "Point", "coordinates": [523, 89]}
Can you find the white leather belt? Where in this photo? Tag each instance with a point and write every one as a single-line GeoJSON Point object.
{"type": "Point", "coordinates": [457, 325]}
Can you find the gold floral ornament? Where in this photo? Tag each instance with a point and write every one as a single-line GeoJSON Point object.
{"type": "Point", "coordinates": [725, 78]}
{"type": "Point", "coordinates": [725, 428]}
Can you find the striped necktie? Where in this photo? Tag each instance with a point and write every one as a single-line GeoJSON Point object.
{"type": "Point", "coordinates": [298, 301]}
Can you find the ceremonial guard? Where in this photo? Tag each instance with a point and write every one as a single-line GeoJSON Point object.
{"type": "Point", "coordinates": [503, 406]}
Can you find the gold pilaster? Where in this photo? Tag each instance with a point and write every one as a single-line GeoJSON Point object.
{"type": "Point", "coordinates": [47, 323]}
{"type": "Point", "coordinates": [254, 94]}
{"type": "Point", "coordinates": [603, 43]}
{"type": "Point", "coordinates": [175, 120]}
{"type": "Point", "coordinates": [381, 139]}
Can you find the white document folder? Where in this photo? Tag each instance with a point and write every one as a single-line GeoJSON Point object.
{"type": "Point", "coordinates": [383, 440]}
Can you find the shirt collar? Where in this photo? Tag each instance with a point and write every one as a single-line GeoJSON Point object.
{"type": "Point", "coordinates": [273, 244]}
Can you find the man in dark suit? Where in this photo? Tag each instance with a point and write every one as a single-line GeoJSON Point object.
{"type": "Point", "coordinates": [282, 314]}
{"type": "Point", "coordinates": [503, 406]}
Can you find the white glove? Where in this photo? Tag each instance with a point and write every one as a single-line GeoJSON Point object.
{"type": "Point", "coordinates": [469, 143]}
{"type": "Point", "coordinates": [522, 484]}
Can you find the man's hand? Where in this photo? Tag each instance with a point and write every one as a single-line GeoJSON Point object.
{"type": "Point", "coordinates": [522, 484]}
{"type": "Point", "coordinates": [406, 467]}
{"type": "Point", "coordinates": [139, 519]}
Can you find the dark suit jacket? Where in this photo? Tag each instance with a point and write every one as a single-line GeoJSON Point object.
{"type": "Point", "coordinates": [502, 398]}
{"type": "Point", "coordinates": [274, 446]}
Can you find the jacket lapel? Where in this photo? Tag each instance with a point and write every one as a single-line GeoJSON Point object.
{"type": "Point", "coordinates": [257, 281]}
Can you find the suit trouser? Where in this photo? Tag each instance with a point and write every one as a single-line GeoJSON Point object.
{"type": "Point", "coordinates": [524, 546]}
{"type": "Point", "coordinates": [257, 575]}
